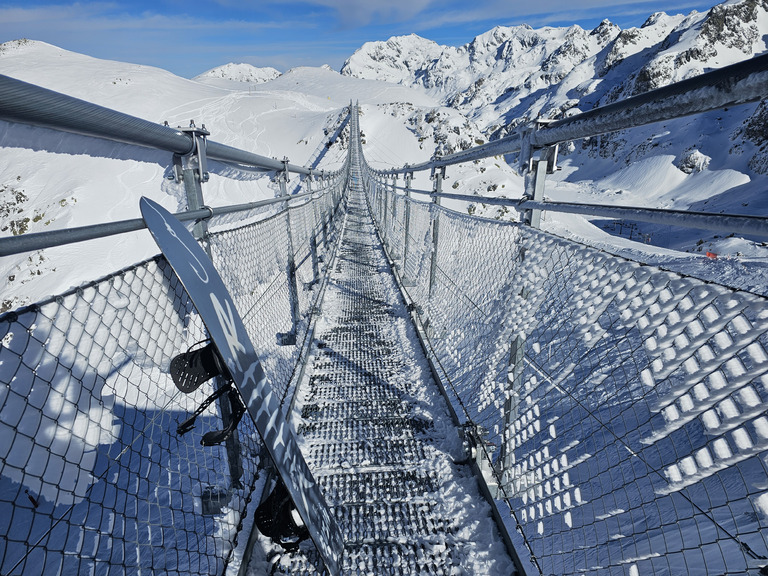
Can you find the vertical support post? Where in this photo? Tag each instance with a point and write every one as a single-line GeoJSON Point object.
{"type": "Point", "coordinates": [192, 171]}
{"type": "Point", "coordinates": [289, 338]}
{"type": "Point", "coordinates": [316, 224]}
{"type": "Point", "coordinates": [534, 188]}
{"type": "Point", "coordinates": [327, 193]}
{"type": "Point", "coordinates": [313, 251]}
{"type": "Point", "coordinates": [387, 219]}
{"type": "Point", "coordinates": [514, 388]}
{"type": "Point", "coordinates": [514, 374]}
{"type": "Point", "coordinates": [380, 201]}
{"type": "Point", "coordinates": [331, 190]}
{"type": "Point", "coordinates": [393, 221]}
{"type": "Point", "coordinates": [439, 175]}
{"type": "Point", "coordinates": [536, 164]}
{"type": "Point", "coordinates": [407, 224]}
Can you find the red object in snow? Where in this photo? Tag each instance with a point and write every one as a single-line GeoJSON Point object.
{"type": "Point", "coordinates": [712, 255]}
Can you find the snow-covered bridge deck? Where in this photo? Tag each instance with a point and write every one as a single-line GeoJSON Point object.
{"type": "Point", "coordinates": [618, 409]}
{"type": "Point", "coordinates": [377, 433]}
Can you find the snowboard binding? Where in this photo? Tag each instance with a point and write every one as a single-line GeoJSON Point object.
{"type": "Point", "coordinates": [190, 369]}
{"type": "Point", "coordinates": [277, 518]}
{"type": "Point", "coordinates": [214, 437]}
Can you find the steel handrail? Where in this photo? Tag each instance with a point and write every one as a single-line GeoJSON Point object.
{"type": "Point", "coordinates": [730, 223]}
{"type": "Point", "coordinates": [39, 240]}
{"type": "Point", "coordinates": [740, 83]}
{"type": "Point", "coordinates": [27, 103]}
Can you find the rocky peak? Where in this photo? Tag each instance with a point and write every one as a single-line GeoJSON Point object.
{"type": "Point", "coordinates": [605, 32]}
{"type": "Point", "coordinates": [654, 19]}
{"type": "Point", "coordinates": [734, 25]}
{"type": "Point", "coordinates": [717, 38]}
{"type": "Point", "coordinates": [396, 60]}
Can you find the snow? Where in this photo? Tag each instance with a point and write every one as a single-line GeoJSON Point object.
{"type": "Point", "coordinates": [225, 76]}
{"type": "Point", "coordinates": [706, 352]}
{"type": "Point", "coordinates": [71, 180]}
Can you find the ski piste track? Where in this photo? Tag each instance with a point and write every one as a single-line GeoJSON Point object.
{"type": "Point", "coordinates": [377, 435]}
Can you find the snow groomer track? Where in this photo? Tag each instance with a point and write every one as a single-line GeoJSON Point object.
{"type": "Point", "coordinates": [378, 437]}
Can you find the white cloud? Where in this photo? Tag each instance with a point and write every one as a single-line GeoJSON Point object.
{"type": "Point", "coordinates": [353, 13]}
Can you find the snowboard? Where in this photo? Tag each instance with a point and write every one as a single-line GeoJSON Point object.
{"type": "Point", "coordinates": [227, 331]}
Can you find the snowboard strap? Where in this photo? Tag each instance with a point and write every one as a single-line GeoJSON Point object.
{"type": "Point", "coordinates": [215, 437]}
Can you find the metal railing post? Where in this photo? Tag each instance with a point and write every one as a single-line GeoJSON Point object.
{"type": "Point", "coordinates": [393, 220]}
{"type": "Point", "coordinates": [439, 175]}
{"type": "Point", "coordinates": [192, 171]}
{"type": "Point", "coordinates": [536, 164]}
{"type": "Point", "coordinates": [380, 202]}
{"type": "Point", "coordinates": [289, 339]}
{"type": "Point", "coordinates": [514, 387]}
{"type": "Point", "coordinates": [387, 216]}
{"type": "Point", "coordinates": [327, 214]}
{"type": "Point", "coordinates": [313, 236]}
{"type": "Point", "coordinates": [407, 224]}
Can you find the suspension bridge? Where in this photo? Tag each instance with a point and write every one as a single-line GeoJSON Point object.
{"type": "Point", "coordinates": [472, 396]}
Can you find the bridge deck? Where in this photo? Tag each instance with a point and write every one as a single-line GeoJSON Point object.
{"type": "Point", "coordinates": [378, 436]}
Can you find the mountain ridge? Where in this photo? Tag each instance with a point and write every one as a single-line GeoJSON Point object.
{"type": "Point", "coordinates": [511, 73]}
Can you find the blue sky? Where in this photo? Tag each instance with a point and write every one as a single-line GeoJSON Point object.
{"type": "Point", "coordinates": [188, 37]}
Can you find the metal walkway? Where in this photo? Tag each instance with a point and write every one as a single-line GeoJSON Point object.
{"type": "Point", "coordinates": [377, 433]}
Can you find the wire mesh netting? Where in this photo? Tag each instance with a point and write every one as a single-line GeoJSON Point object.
{"type": "Point", "coordinates": [94, 478]}
{"type": "Point", "coordinates": [620, 409]}
{"type": "Point", "coordinates": [254, 264]}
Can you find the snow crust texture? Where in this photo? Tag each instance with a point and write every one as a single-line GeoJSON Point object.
{"type": "Point", "coordinates": [623, 406]}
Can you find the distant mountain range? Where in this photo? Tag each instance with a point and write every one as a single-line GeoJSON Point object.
{"type": "Point", "coordinates": [511, 73]}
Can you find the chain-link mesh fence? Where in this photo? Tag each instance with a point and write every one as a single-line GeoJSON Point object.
{"type": "Point", "coordinates": [620, 410]}
{"type": "Point", "coordinates": [94, 478]}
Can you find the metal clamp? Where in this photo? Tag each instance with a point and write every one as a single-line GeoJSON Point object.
{"type": "Point", "coordinates": [197, 158]}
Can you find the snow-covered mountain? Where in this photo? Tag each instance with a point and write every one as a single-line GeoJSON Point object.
{"type": "Point", "coordinates": [511, 73]}
{"type": "Point", "coordinates": [711, 162]}
{"type": "Point", "coordinates": [417, 98]}
{"type": "Point", "coordinates": [239, 73]}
